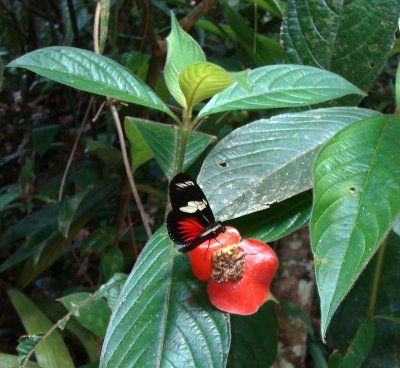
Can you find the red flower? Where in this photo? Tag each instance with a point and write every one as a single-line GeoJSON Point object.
{"type": "Point", "coordinates": [238, 273]}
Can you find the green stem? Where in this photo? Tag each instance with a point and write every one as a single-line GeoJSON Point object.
{"type": "Point", "coordinates": [375, 281]}
{"type": "Point", "coordinates": [185, 130]}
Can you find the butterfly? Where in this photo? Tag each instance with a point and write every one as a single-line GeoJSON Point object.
{"type": "Point", "coordinates": [191, 220]}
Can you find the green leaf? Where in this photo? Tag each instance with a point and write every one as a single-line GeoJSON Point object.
{"type": "Point", "coordinates": [11, 361]}
{"type": "Point", "coordinates": [26, 344]}
{"type": "Point", "coordinates": [57, 313]}
{"type": "Point", "coordinates": [55, 243]}
{"type": "Point", "coordinates": [263, 50]}
{"type": "Point", "coordinates": [350, 38]}
{"type": "Point", "coordinates": [108, 155]}
{"type": "Point", "coordinates": [254, 339]}
{"type": "Point", "coordinates": [182, 50]}
{"type": "Point", "coordinates": [164, 142]}
{"type": "Point", "coordinates": [104, 18]}
{"type": "Point", "coordinates": [26, 173]}
{"type": "Point", "coordinates": [356, 201]}
{"type": "Point", "coordinates": [9, 196]}
{"type": "Point", "coordinates": [94, 315]}
{"type": "Point", "coordinates": [99, 238]}
{"type": "Point", "coordinates": [112, 261]}
{"type": "Point", "coordinates": [90, 72]}
{"type": "Point", "coordinates": [275, 7]}
{"type": "Point", "coordinates": [43, 137]}
{"type": "Point", "coordinates": [112, 288]}
{"type": "Point", "coordinates": [397, 88]}
{"type": "Point", "coordinates": [278, 221]}
{"type": "Point", "coordinates": [202, 80]}
{"type": "Point", "coordinates": [163, 316]}
{"type": "Point", "coordinates": [52, 352]}
{"type": "Point", "coordinates": [140, 151]}
{"type": "Point", "coordinates": [282, 150]}
{"type": "Point", "coordinates": [396, 227]}
{"type": "Point", "coordinates": [344, 325]}
{"type": "Point", "coordinates": [67, 210]}
{"type": "Point", "coordinates": [358, 349]}
{"type": "Point", "coordinates": [279, 86]}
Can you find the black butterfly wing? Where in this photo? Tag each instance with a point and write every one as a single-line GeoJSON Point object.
{"type": "Point", "coordinates": [184, 229]}
{"type": "Point", "coordinates": [188, 199]}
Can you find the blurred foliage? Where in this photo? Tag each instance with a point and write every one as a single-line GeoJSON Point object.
{"type": "Point", "coordinates": [66, 249]}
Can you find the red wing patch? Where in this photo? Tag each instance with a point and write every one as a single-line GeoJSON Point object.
{"type": "Point", "coordinates": [190, 228]}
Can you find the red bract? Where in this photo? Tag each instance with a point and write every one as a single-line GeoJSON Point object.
{"type": "Point", "coordinates": [238, 273]}
{"type": "Point", "coordinates": [200, 257]}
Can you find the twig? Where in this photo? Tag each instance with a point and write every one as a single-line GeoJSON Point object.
{"type": "Point", "coordinates": [96, 28]}
{"type": "Point", "coordinates": [71, 156]}
{"type": "Point", "coordinates": [128, 169]}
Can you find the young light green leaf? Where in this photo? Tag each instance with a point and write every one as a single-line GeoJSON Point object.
{"type": "Point", "coordinates": [87, 71]}
{"type": "Point", "coordinates": [182, 50]}
{"type": "Point", "coordinates": [163, 316]}
{"type": "Point", "coordinates": [52, 352]}
{"type": "Point", "coordinates": [282, 151]}
{"type": "Point", "coordinates": [164, 142]}
{"type": "Point", "coordinates": [356, 201]}
{"type": "Point", "coordinates": [202, 80]}
{"type": "Point", "coordinates": [278, 86]}
{"type": "Point", "coordinates": [350, 38]}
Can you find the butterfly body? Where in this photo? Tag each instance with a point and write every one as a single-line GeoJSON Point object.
{"type": "Point", "coordinates": [191, 221]}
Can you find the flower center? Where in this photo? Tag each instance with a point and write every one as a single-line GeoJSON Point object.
{"type": "Point", "coordinates": [228, 264]}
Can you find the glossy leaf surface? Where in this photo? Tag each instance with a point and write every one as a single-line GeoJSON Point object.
{"type": "Point", "coordinates": [278, 86]}
{"type": "Point", "coordinates": [356, 201]}
{"type": "Point", "coordinates": [276, 222]}
{"type": "Point", "coordinates": [87, 71]}
{"type": "Point", "coordinates": [163, 316]}
{"type": "Point", "coordinates": [269, 160]}
{"type": "Point", "coordinates": [182, 50]}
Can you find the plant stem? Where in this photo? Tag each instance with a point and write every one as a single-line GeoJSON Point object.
{"type": "Point", "coordinates": [129, 171]}
{"type": "Point", "coordinates": [375, 281]}
{"type": "Point", "coordinates": [75, 146]}
{"type": "Point", "coordinates": [185, 130]}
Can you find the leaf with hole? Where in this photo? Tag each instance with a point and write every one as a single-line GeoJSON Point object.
{"type": "Point", "coordinates": [356, 202]}
{"type": "Point", "coordinates": [282, 150]}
